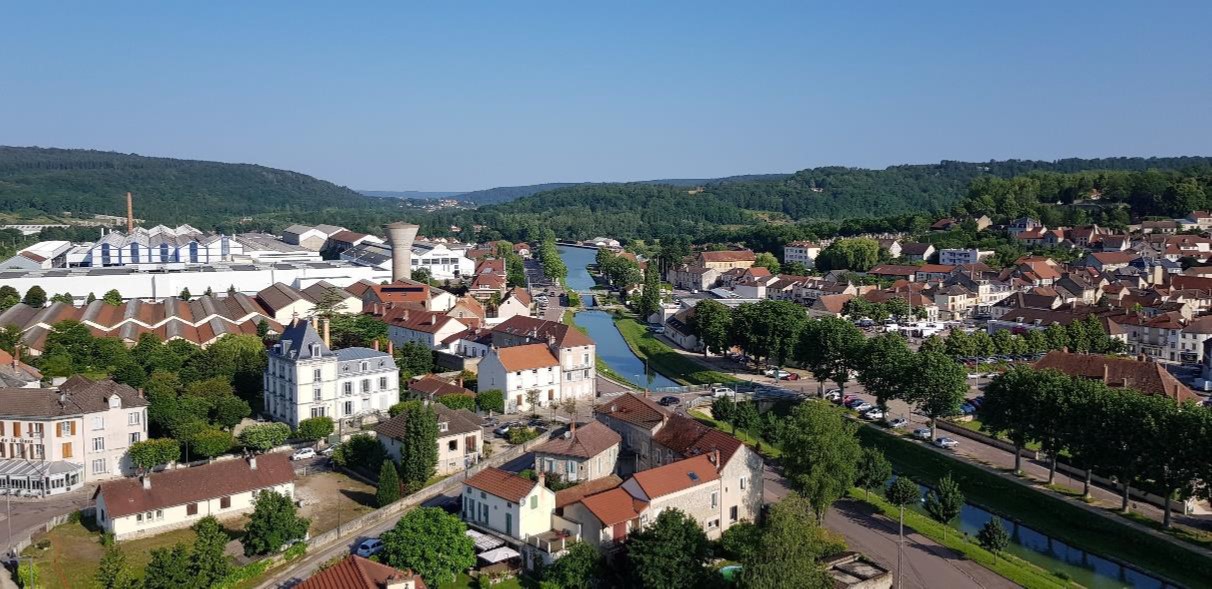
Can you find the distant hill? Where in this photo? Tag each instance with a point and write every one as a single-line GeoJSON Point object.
{"type": "Point", "coordinates": [417, 194]}
{"type": "Point", "coordinates": [35, 179]}
{"type": "Point", "coordinates": [508, 193]}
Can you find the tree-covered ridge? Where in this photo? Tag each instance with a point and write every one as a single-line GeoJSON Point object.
{"type": "Point", "coordinates": [170, 191]}
{"type": "Point", "coordinates": [647, 210]}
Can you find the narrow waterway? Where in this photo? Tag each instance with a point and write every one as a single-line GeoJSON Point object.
{"type": "Point", "coordinates": [1053, 555]}
{"type": "Point", "coordinates": [612, 348]}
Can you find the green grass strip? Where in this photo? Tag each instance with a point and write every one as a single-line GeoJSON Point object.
{"type": "Point", "coordinates": [665, 359]}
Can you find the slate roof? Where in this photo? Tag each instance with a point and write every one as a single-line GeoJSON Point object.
{"type": "Point", "coordinates": [459, 422]}
{"type": "Point", "coordinates": [537, 329]}
{"type": "Point", "coordinates": [586, 442]}
{"type": "Point", "coordinates": [634, 409]}
{"type": "Point", "coordinates": [77, 395]}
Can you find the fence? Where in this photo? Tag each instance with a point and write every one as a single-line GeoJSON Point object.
{"type": "Point", "coordinates": [51, 524]}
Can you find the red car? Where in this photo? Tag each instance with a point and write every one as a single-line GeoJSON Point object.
{"type": "Point", "coordinates": [792, 376]}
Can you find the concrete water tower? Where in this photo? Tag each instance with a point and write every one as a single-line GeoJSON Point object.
{"type": "Point", "coordinates": [400, 235]}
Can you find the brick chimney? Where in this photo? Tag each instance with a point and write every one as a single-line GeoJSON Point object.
{"type": "Point", "coordinates": [327, 339]}
{"type": "Point", "coordinates": [130, 213]}
{"type": "Point", "coordinates": [376, 345]}
{"type": "Point", "coordinates": [391, 348]}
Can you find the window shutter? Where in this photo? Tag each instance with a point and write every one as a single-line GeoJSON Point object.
{"type": "Point", "coordinates": [58, 429]}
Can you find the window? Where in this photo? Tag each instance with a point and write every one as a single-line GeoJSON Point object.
{"type": "Point", "coordinates": [713, 524]}
{"type": "Point", "coordinates": [317, 412]}
{"type": "Point", "coordinates": [348, 408]}
{"type": "Point", "coordinates": [316, 395]}
{"type": "Point", "coordinates": [452, 445]}
{"type": "Point", "coordinates": [364, 366]}
{"type": "Point", "coordinates": [744, 482]}
{"type": "Point", "coordinates": [224, 502]}
{"type": "Point", "coordinates": [99, 466]}
{"type": "Point", "coordinates": [534, 501]}
{"type": "Point", "coordinates": [365, 385]}
{"type": "Point", "coordinates": [191, 509]}
{"type": "Point", "coordinates": [347, 389]}
{"type": "Point", "coordinates": [715, 499]}
{"type": "Point", "coordinates": [98, 444]}
{"type": "Point", "coordinates": [98, 422]}
{"type": "Point", "coordinates": [732, 514]}
{"type": "Point", "coordinates": [586, 360]}
{"type": "Point", "coordinates": [382, 383]}
{"type": "Point", "coordinates": [133, 418]}
{"type": "Point", "coordinates": [315, 375]}
{"type": "Point", "coordinates": [134, 437]}
{"type": "Point", "coordinates": [444, 426]}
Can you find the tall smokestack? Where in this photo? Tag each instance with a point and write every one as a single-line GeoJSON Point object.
{"type": "Point", "coordinates": [400, 236]}
{"type": "Point", "coordinates": [130, 213]}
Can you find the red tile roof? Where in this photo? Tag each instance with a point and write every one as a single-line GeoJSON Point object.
{"type": "Point", "coordinates": [1147, 377]}
{"type": "Point", "coordinates": [634, 409]}
{"type": "Point", "coordinates": [578, 492]}
{"type": "Point", "coordinates": [676, 476]}
{"type": "Point", "coordinates": [190, 485]}
{"type": "Point", "coordinates": [728, 256]}
{"type": "Point", "coordinates": [355, 572]}
{"type": "Point", "coordinates": [526, 357]}
{"type": "Point", "coordinates": [690, 438]}
{"type": "Point", "coordinates": [500, 483]}
{"type": "Point", "coordinates": [539, 330]}
{"type": "Point", "coordinates": [614, 506]}
{"type": "Point", "coordinates": [586, 442]}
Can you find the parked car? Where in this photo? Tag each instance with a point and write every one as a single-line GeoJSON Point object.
{"type": "Point", "coordinates": [780, 374]}
{"type": "Point", "coordinates": [669, 401]}
{"type": "Point", "coordinates": [503, 429]}
{"type": "Point", "coordinates": [369, 547]}
{"type": "Point", "coordinates": [833, 395]}
{"type": "Point", "coordinates": [898, 422]}
{"type": "Point", "coordinates": [722, 392]}
{"type": "Point", "coordinates": [853, 402]}
{"type": "Point", "coordinates": [329, 450]}
{"type": "Point", "coordinates": [303, 454]}
{"type": "Point", "coordinates": [946, 442]}
{"type": "Point", "coordinates": [863, 407]}
{"type": "Point", "coordinates": [922, 433]}
{"type": "Point", "coordinates": [873, 414]}
{"type": "Point", "coordinates": [788, 376]}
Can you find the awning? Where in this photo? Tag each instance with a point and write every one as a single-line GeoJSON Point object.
{"type": "Point", "coordinates": [484, 542]}
{"type": "Point", "coordinates": [499, 554]}
{"type": "Point", "coordinates": [31, 469]}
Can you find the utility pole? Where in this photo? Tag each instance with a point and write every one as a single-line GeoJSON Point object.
{"type": "Point", "coordinates": [900, 548]}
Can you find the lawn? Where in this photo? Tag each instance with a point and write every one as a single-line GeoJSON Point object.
{"type": "Point", "coordinates": [663, 358]}
{"type": "Point", "coordinates": [463, 581]}
{"type": "Point", "coordinates": [71, 559]}
{"type": "Point", "coordinates": [1011, 567]}
{"type": "Point", "coordinates": [1048, 514]}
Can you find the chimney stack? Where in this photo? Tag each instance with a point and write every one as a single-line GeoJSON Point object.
{"type": "Point", "coordinates": [391, 348]}
{"type": "Point", "coordinates": [327, 339]}
{"type": "Point", "coordinates": [130, 213]}
{"type": "Point", "coordinates": [252, 462]}
{"type": "Point", "coordinates": [400, 236]}
{"type": "Point", "coordinates": [146, 482]}
{"type": "Point", "coordinates": [376, 345]}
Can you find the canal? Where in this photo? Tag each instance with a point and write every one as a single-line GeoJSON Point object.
{"type": "Point", "coordinates": [612, 348]}
{"type": "Point", "coordinates": [1086, 569]}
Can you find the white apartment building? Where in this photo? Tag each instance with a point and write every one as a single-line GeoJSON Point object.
{"type": "Point", "coordinates": [304, 378]}
{"type": "Point", "coordinates": [517, 370]}
{"type": "Point", "coordinates": [575, 351]}
{"type": "Point", "coordinates": [957, 257]}
{"type": "Point", "coordinates": [804, 252]}
{"type": "Point", "coordinates": [56, 439]}
{"type": "Point", "coordinates": [442, 261]}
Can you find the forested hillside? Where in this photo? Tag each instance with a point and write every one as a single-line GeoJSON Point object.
{"type": "Point", "coordinates": [644, 210]}
{"type": "Point", "coordinates": [166, 190]}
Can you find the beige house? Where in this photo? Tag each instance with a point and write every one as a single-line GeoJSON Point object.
{"type": "Point", "coordinates": [726, 260]}
{"type": "Point", "coordinates": [516, 302]}
{"type": "Point", "coordinates": [503, 502]}
{"type": "Point", "coordinates": [581, 454]}
{"type": "Point", "coordinates": [172, 499]}
{"type": "Point", "coordinates": [460, 438]}
{"type": "Point", "coordinates": [54, 440]}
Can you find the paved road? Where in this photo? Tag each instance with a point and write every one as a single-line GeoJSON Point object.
{"type": "Point", "coordinates": [928, 565]}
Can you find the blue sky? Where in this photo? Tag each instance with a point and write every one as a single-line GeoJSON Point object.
{"type": "Point", "coordinates": [468, 95]}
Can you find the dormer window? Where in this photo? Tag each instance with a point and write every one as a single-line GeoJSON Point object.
{"type": "Point", "coordinates": [365, 366]}
{"type": "Point", "coordinates": [315, 349]}
{"type": "Point", "coordinates": [115, 402]}
{"type": "Point", "coordinates": [443, 426]}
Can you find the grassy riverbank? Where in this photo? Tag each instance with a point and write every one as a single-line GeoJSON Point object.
{"type": "Point", "coordinates": [664, 359]}
{"type": "Point", "coordinates": [1050, 515]}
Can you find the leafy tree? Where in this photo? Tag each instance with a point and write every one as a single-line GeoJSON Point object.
{"type": "Point", "coordinates": [768, 261]}
{"type": "Point", "coordinates": [1009, 407]}
{"type": "Point", "coordinates": [945, 502]}
{"type": "Point", "coordinates": [361, 452]}
{"type": "Point", "coordinates": [262, 329]}
{"type": "Point", "coordinates": [419, 453]}
{"type": "Point", "coordinates": [650, 295]}
{"type": "Point", "coordinates": [936, 384]}
{"type": "Point", "coordinates": [712, 322]}
{"type": "Point", "coordinates": [168, 568]}
{"type": "Point", "coordinates": [820, 454]}
{"type": "Point", "coordinates": [35, 297]}
{"type": "Point", "coordinates": [830, 347]}
{"type": "Point", "coordinates": [874, 470]}
{"type": "Point", "coordinates": [229, 410]}
{"type": "Point", "coordinates": [263, 437]}
{"type": "Point", "coordinates": [211, 442]}
{"type": "Point", "coordinates": [414, 359]}
{"type": "Point", "coordinates": [114, 572]}
{"type": "Point", "coordinates": [580, 568]}
{"type": "Point", "coordinates": [65, 298]}
{"type": "Point", "coordinates": [858, 255]}
{"type": "Point", "coordinates": [532, 401]}
{"type": "Point", "coordinates": [993, 536]}
{"type": "Point", "coordinates": [670, 552]}
{"type": "Point", "coordinates": [148, 454]}
{"type": "Point", "coordinates": [902, 492]}
{"type": "Point", "coordinates": [112, 297]}
{"type": "Point", "coordinates": [790, 546]}
{"type": "Point", "coordinates": [458, 401]}
{"type": "Point", "coordinates": [208, 564]}
{"type": "Point", "coordinates": [740, 541]}
{"type": "Point", "coordinates": [185, 296]}
{"type": "Point", "coordinates": [491, 400]}
{"type": "Point", "coordinates": [883, 365]}
{"type": "Point", "coordinates": [274, 524]}
{"type": "Point", "coordinates": [431, 542]}
{"type": "Point", "coordinates": [389, 485]}
{"type": "Point", "coordinates": [10, 338]}
{"type": "Point", "coordinates": [314, 428]}
{"type": "Point", "coordinates": [8, 297]}
{"type": "Point", "coordinates": [768, 330]}
{"type": "Point", "coordinates": [724, 409]}
{"type": "Point", "coordinates": [795, 269]}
